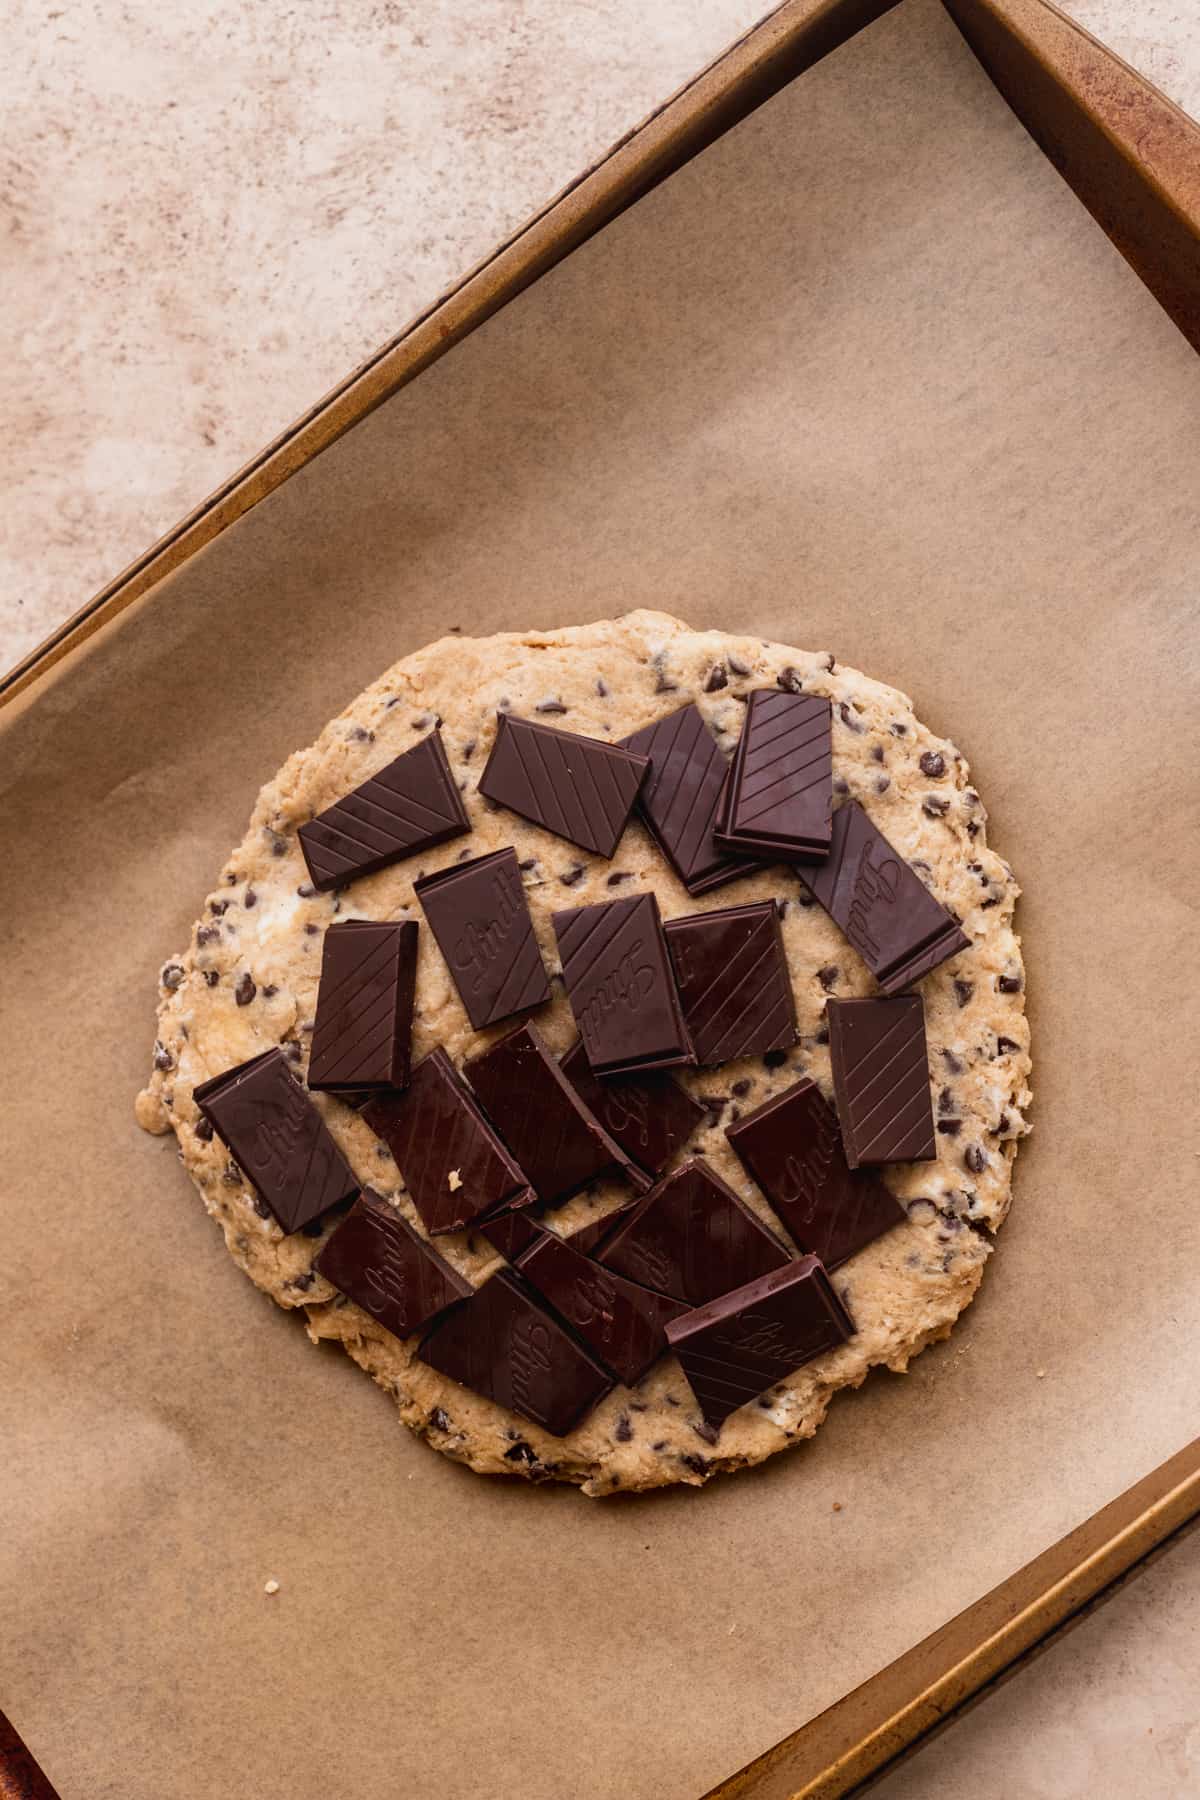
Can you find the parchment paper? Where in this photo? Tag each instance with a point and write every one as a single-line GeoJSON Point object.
{"type": "Point", "coordinates": [866, 376]}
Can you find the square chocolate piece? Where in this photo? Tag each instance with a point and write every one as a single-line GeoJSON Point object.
{"type": "Point", "coordinates": [651, 1117]}
{"type": "Point", "coordinates": [881, 1079]}
{"type": "Point", "coordinates": [621, 987]}
{"type": "Point", "coordinates": [692, 1237]}
{"type": "Point", "coordinates": [886, 911]}
{"type": "Point", "coordinates": [779, 794]}
{"type": "Point", "coordinates": [363, 1033]}
{"type": "Point", "coordinates": [479, 915]}
{"type": "Point", "coordinates": [578, 787]}
{"type": "Point", "coordinates": [681, 796]}
{"type": "Point", "coordinates": [279, 1139]}
{"type": "Point", "coordinates": [559, 1142]}
{"type": "Point", "coordinates": [737, 1346]}
{"type": "Point", "coordinates": [452, 1162]}
{"type": "Point", "coordinates": [377, 1260]}
{"type": "Point", "coordinates": [503, 1343]}
{"type": "Point", "coordinates": [621, 1321]}
{"type": "Point", "coordinates": [733, 981]}
{"type": "Point", "coordinates": [411, 805]}
{"type": "Point", "coordinates": [793, 1148]}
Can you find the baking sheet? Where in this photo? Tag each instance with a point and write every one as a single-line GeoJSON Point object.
{"type": "Point", "coordinates": [865, 375]}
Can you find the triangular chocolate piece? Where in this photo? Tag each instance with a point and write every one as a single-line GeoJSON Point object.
{"type": "Point", "coordinates": [578, 787]}
{"type": "Point", "coordinates": [691, 1237]}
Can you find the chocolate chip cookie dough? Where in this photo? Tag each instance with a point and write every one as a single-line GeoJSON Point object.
{"type": "Point", "coordinates": [247, 984]}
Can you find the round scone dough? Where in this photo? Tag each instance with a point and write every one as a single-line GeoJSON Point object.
{"type": "Point", "coordinates": [248, 981]}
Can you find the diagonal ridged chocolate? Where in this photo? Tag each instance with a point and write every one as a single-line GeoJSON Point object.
{"type": "Point", "coordinates": [363, 1031]}
{"type": "Point", "coordinates": [503, 1343]}
{"type": "Point", "coordinates": [736, 1347]}
{"type": "Point", "coordinates": [733, 981]}
{"type": "Point", "coordinates": [779, 795]}
{"type": "Point", "coordinates": [681, 797]}
{"type": "Point", "coordinates": [793, 1149]}
{"type": "Point", "coordinates": [619, 1320]}
{"type": "Point", "coordinates": [886, 911]}
{"type": "Point", "coordinates": [691, 1237]}
{"type": "Point", "coordinates": [650, 1115]}
{"type": "Point", "coordinates": [510, 1232]}
{"type": "Point", "coordinates": [621, 987]}
{"type": "Point", "coordinates": [453, 1164]}
{"type": "Point", "coordinates": [881, 1079]}
{"type": "Point", "coordinates": [479, 915]}
{"type": "Point", "coordinates": [377, 1260]}
{"type": "Point", "coordinates": [578, 787]}
{"type": "Point", "coordinates": [411, 805]}
{"type": "Point", "coordinates": [279, 1139]}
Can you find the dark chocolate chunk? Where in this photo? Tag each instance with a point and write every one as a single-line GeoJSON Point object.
{"type": "Point", "coordinates": [881, 1079]}
{"type": "Point", "coordinates": [557, 1140]}
{"type": "Point", "coordinates": [888, 914]}
{"type": "Point", "coordinates": [933, 763]}
{"type": "Point", "coordinates": [410, 806]}
{"type": "Point", "coordinates": [510, 1232]}
{"type": "Point", "coordinates": [578, 787]}
{"type": "Point", "coordinates": [378, 1260]}
{"type": "Point", "coordinates": [742, 1343]}
{"type": "Point", "coordinates": [681, 796]}
{"type": "Point", "coordinates": [479, 915]}
{"type": "Point", "coordinates": [620, 1320]}
{"type": "Point", "coordinates": [589, 1235]}
{"type": "Point", "coordinates": [691, 1237]}
{"type": "Point", "coordinates": [363, 1034]}
{"type": "Point", "coordinates": [793, 1149]}
{"type": "Point", "coordinates": [651, 1117]}
{"type": "Point", "coordinates": [779, 792]}
{"type": "Point", "coordinates": [622, 991]}
{"type": "Point", "coordinates": [733, 981]}
{"type": "Point", "coordinates": [453, 1164]}
{"type": "Point", "coordinates": [263, 1115]}
{"type": "Point", "coordinates": [504, 1344]}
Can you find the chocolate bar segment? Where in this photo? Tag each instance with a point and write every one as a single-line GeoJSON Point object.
{"type": "Point", "coordinates": [779, 794]}
{"type": "Point", "coordinates": [503, 1343]}
{"type": "Point", "coordinates": [363, 1031]}
{"type": "Point", "coordinates": [558, 1141]}
{"type": "Point", "coordinates": [378, 1260]}
{"type": "Point", "coordinates": [651, 1117]}
{"type": "Point", "coordinates": [681, 797]}
{"type": "Point", "coordinates": [692, 1238]}
{"type": "Point", "coordinates": [622, 991]}
{"type": "Point", "coordinates": [578, 787]}
{"type": "Point", "coordinates": [886, 911]}
{"type": "Point", "coordinates": [411, 805]}
{"type": "Point", "coordinates": [881, 1079]}
{"type": "Point", "coordinates": [279, 1139]}
{"type": "Point", "coordinates": [733, 981]}
{"type": "Point", "coordinates": [510, 1232]}
{"type": "Point", "coordinates": [453, 1164]}
{"type": "Point", "coordinates": [792, 1147]}
{"type": "Point", "coordinates": [737, 1346]}
{"type": "Point", "coordinates": [621, 1321]}
{"type": "Point", "coordinates": [479, 915]}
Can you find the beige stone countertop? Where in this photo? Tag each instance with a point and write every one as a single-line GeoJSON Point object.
{"type": "Point", "coordinates": [212, 212]}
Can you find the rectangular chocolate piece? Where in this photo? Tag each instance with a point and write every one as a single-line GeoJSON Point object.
{"type": "Point", "coordinates": [279, 1139]}
{"type": "Point", "coordinates": [884, 908]}
{"type": "Point", "coordinates": [378, 1260]}
{"type": "Point", "coordinates": [559, 1142]}
{"type": "Point", "coordinates": [651, 1117]}
{"type": "Point", "coordinates": [692, 1237]}
{"type": "Point", "coordinates": [792, 1147]}
{"type": "Point", "coordinates": [479, 915]}
{"type": "Point", "coordinates": [621, 987]}
{"type": "Point", "coordinates": [453, 1164]}
{"type": "Point", "coordinates": [411, 805]}
{"type": "Point", "coordinates": [737, 1346]}
{"type": "Point", "coordinates": [503, 1343]}
{"type": "Point", "coordinates": [733, 981]}
{"type": "Point", "coordinates": [779, 793]}
{"type": "Point", "coordinates": [620, 1321]}
{"type": "Point", "coordinates": [363, 1032]}
{"type": "Point", "coordinates": [578, 787]}
{"type": "Point", "coordinates": [681, 796]}
{"type": "Point", "coordinates": [881, 1079]}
